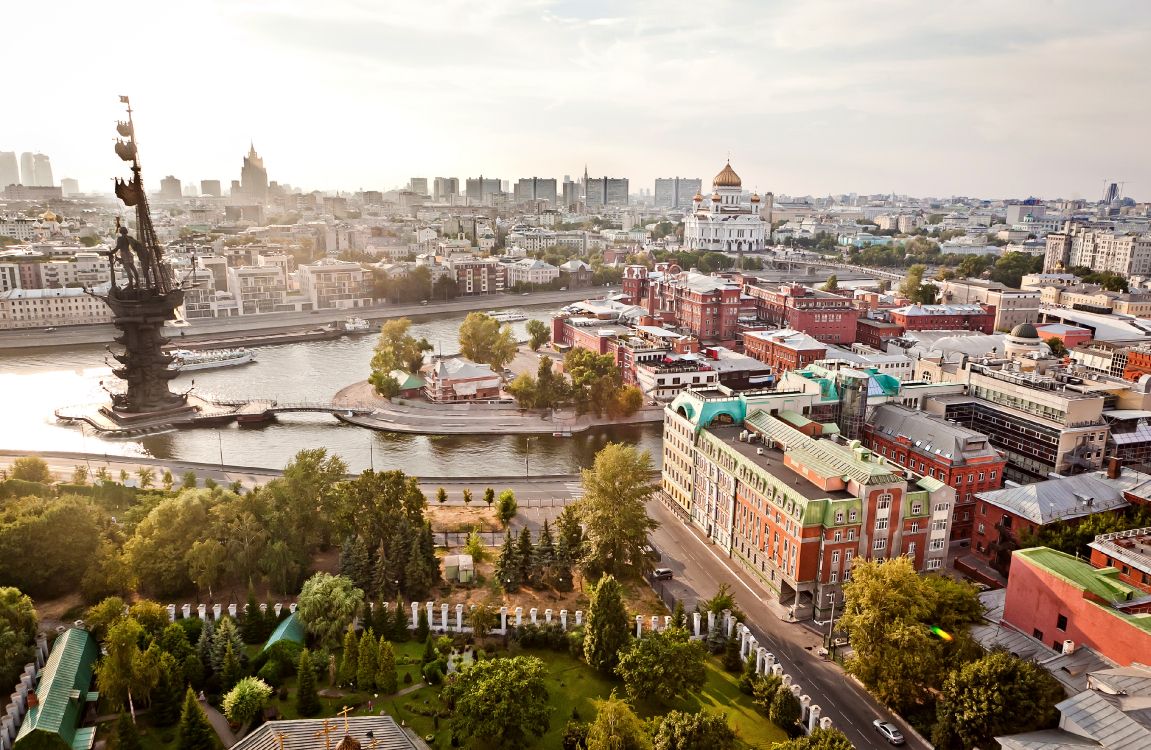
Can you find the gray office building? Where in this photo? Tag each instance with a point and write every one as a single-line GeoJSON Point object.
{"type": "Point", "coordinates": [445, 188]}
{"type": "Point", "coordinates": [9, 169]}
{"type": "Point", "coordinates": [606, 191]}
{"type": "Point", "coordinates": [419, 185]}
{"type": "Point", "coordinates": [210, 187]}
{"type": "Point", "coordinates": [481, 189]}
{"type": "Point", "coordinates": [676, 192]}
{"type": "Point", "coordinates": [535, 189]}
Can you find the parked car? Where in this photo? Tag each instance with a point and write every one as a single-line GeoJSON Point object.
{"type": "Point", "coordinates": [661, 574]}
{"type": "Point", "coordinates": [889, 731]}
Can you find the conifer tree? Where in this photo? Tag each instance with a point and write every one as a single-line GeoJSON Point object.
{"type": "Point", "coordinates": [423, 568]}
{"type": "Point", "coordinates": [430, 654]}
{"type": "Point", "coordinates": [525, 557]}
{"type": "Point", "coordinates": [204, 645]}
{"type": "Point", "coordinates": [386, 679]}
{"type": "Point", "coordinates": [168, 693]}
{"type": "Point", "coordinates": [368, 662]}
{"type": "Point", "coordinates": [226, 634]}
{"type": "Point", "coordinates": [230, 671]}
{"type": "Point", "coordinates": [252, 625]}
{"type": "Point", "coordinates": [356, 562]}
{"type": "Point", "coordinates": [400, 631]}
{"type": "Point", "coordinates": [545, 554]}
{"type": "Point", "coordinates": [350, 665]}
{"type": "Point", "coordinates": [381, 618]}
{"type": "Point", "coordinates": [307, 701]}
{"type": "Point", "coordinates": [195, 733]}
{"type": "Point", "coordinates": [423, 628]}
{"type": "Point", "coordinates": [607, 631]}
{"type": "Point", "coordinates": [507, 568]}
{"type": "Point", "coordinates": [127, 738]}
{"type": "Point", "coordinates": [678, 616]}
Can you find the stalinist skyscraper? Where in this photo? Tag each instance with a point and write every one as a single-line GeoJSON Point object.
{"type": "Point", "coordinates": [253, 177]}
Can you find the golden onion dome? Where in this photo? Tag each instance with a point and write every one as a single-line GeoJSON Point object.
{"type": "Point", "coordinates": [48, 216]}
{"type": "Point", "coordinates": [755, 197]}
{"type": "Point", "coordinates": [727, 177]}
{"type": "Point", "coordinates": [715, 198]}
{"type": "Point", "coordinates": [698, 197]}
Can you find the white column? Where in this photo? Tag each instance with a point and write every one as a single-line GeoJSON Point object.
{"type": "Point", "coordinates": [696, 619]}
{"type": "Point", "coordinates": [232, 610]}
{"type": "Point", "coordinates": [564, 619]}
{"type": "Point", "coordinates": [654, 623]}
{"type": "Point", "coordinates": [825, 722]}
{"type": "Point", "coordinates": [761, 657]}
{"type": "Point", "coordinates": [431, 610]}
{"type": "Point", "coordinates": [804, 707]}
{"type": "Point", "coordinates": [730, 623]}
{"type": "Point", "coordinates": [666, 622]}
{"type": "Point", "coordinates": [263, 608]}
{"type": "Point", "coordinates": [639, 626]}
{"type": "Point", "coordinates": [186, 610]}
{"type": "Point", "coordinates": [787, 681]}
{"type": "Point", "coordinates": [216, 611]}
{"type": "Point", "coordinates": [415, 615]}
{"type": "Point", "coordinates": [292, 607]}
{"type": "Point", "coordinates": [710, 623]}
{"type": "Point", "coordinates": [579, 617]}
{"type": "Point", "coordinates": [533, 613]}
{"type": "Point", "coordinates": [777, 670]}
{"type": "Point", "coordinates": [459, 618]}
{"type": "Point", "coordinates": [519, 616]}
{"type": "Point", "coordinates": [444, 617]}
{"type": "Point", "coordinates": [504, 619]}
{"type": "Point", "coordinates": [548, 616]}
{"type": "Point", "coordinates": [171, 613]}
{"type": "Point", "coordinates": [202, 611]}
{"type": "Point", "coordinates": [278, 607]}
{"type": "Point", "coordinates": [813, 718]}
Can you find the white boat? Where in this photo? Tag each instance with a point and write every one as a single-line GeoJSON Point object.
{"type": "Point", "coordinates": [208, 359]}
{"type": "Point", "coordinates": [356, 324]}
{"type": "Point", "coordinates": [506, 316]}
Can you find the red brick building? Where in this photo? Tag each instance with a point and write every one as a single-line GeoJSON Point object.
{"type": "Point", "coordinates": [706, 306]}
{"type": "Point", "coordinates": [1138, 363]}
{"type": "Point", "coordinates": [1129, 552]}
{"type": "Point", "coordinates": [830, 318]}
{"type": "Point", "coordinates": [1065, 603]}
{"type": "Point", "coordinates": [973, 317]}
{"type": "Point", "coordinates": [876, 333]}
{"type": "Point", "coordinates": [960, 458]}
{"type": "Point", "coordinates": [783, 350]}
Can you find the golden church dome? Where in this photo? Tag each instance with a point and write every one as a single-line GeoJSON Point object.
{"type": "Point", "coordinates": [698, 197]}
{"type": "Point", "coordinates": [715, 198]}
{"type": "Point", "coordinates": [47, 216]}
{"type": "Point", "coordinates": [755, 197]}
{"type": "Point", "coordinates": [727, 178]}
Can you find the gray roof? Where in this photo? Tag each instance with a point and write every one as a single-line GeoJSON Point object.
{"type": "Point", "coordinates": [301, 734]}
{"type": "Point", "coordinates": [1058, 499]}
{"type": "Point", "coordinates": [1100, 717]}
{"type": "Point", "coordinates": [931, 434]}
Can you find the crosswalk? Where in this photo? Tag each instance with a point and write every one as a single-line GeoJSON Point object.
{"type": "Point", "coordinates": [573, 489]}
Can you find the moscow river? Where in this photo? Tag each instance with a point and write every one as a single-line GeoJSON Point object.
{"type": "Point", "coordinates": [34, 383]}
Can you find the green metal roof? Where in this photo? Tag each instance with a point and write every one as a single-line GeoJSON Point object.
{"type": "Point", "coordinates": [63, 690]}
{"type": "Point", "coordinates": [408, 381]}
{"type": "Point", "coordinates": [290, 629]}
{"type": "Point", "coordinates": [1102, 582]}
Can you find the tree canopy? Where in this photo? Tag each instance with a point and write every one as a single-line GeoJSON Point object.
{"type": "Point", "coordinates": [681, 730]}
{"type": "Point", "coordinates": [500, 702]}
{"type": "Point", "coordinates": [538, 333]}
{"type": "Point", "coordinates": [327, 605]}
{"type": "Point", "coordinates": [606, 631]}
{"type": "Point", "coordinates": [396, 350]}
{"type": "Point", "coordinates": [613, 510]}
{"type": "Point", "coordinates": [483, 340]}
{"type": "Point", "coordinates": [662, 665]}
{"type": "Point", "coordinates": [18, 624]}
{"type": "Point", "coordinates": [616, 727]}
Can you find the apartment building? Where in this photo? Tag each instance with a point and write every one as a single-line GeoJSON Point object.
{"type": "Point", "coordinates": [1127, 254]}
{"type": "Point", "coordinates": [478, 275]}
{"type": "Point", "coordinates": [1128, 553]}
{"type": "Point", "coordinates": [335, 284]}
{"type": "Point", "coordinates": [1012, 306]}
{"type": "Point", "coordinates": [41, 308]}
{"type": "Point", "coordinates": [706, 306]}
{"type": "Point", "coordinates": [959, 317]}
{"type": "Point", "coordinates": [84, 269]}
{"type": "Point", "coordinates": [791, 503]}
{"type": "Point", "coordinates": [783, 350]}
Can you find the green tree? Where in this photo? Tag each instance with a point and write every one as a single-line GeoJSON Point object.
{"type": "Point", "coordinates": [195, 733]}
{"type": "Point", "coordinates": [888, 613]}
{"type": "Point", "coordinates": [80, 474]}
{"type": "Point", "coordinates": [467, 496]}
{"type": "Point", "coordinates": [31, 469]}
{"type": "Point", "coordinates": [350, 662]}
{"type": "Point", "coordinates": [230, 670]}
{"type": "Point", "coordinates": [595, 380]}
{"type": "Point", "coordinates": [613, 509]}
{"type": "Point", "coordinates": [18, 625]}
{"type": "Point", "coordinates": [483, 619]}
{"type": "Point", "coordinates": [785, 711]}
{"type": "Point", "coordinates": [246, 700]}
{"type": "Point", "coordinates": [538, 333]}
{"type": "Point", "coordinates": [483, 340]}
{"type": "Point", "coordinates": [475, 546]}
{"type": "Point", "coordinates": [507, 508]}
{"type": "Point", "coordinates": [169, 690]}
{"type": "Point", "coordinates": [525, 556]}
{"type": "Point", "coordinates": [307, 701]}
{"type": "Point", "coordinates": [441, 496]}
{"type": "Point", "coordinates": [616, 727]}
{"type": "Point", "coordinates": [820, 739]}
{"type": "Point", "coordinates": [396, 350]}
{"type": "Point", "coordinates": [369, 663]}
{"type": "Point", "coordinates": [146, 476]}
{"type": "Point", "coordinates": [663, 665]}
{"type": "Point", "coordinates": [115, 672]}
{"type": "Point", "coordinates": [189, 481]}
{"type": "Point", "coordinates": [489, 496]}
{"type": "Point", "coordinates": [832, 284]}
{"type": "Point", "coordinates": [995, 695]}
{"type": "Point", "coordinates": [159, 552]}
{"type": "Point", "coordinates": [127, 738]}
{"type": "Point", "coordinates": [681, 730]}
{"type": "Point", "coordinates": [606, 630]}
{"type": "Point", "coordinates": [167, 480]}
{"type": "Point", "coordinates": [499, 702]}
{"type": "Point", "coordinates": [327, 605]}
{"type": "Point", "coordinates": [909, 287]}
{"type": "Point", "coordinates": [507, 568]}
{"type": "Point", "coordinates": [1056, 345]}
{"type": "Point", "coordinates": [386, 679]}
{"type": "Point", "coordinates": [70, 526]}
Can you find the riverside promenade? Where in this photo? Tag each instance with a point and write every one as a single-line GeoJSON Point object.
{"type": "Point", "coordinates": [427, 418]}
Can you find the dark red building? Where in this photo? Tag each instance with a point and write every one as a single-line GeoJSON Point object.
{"type": "Point", "coordinates": [706, 306]}
{"type": "Point", "coordinates": [973, 317]}
{"type": "Point", "coordinates": [876, 333]}
{"type": "Point", "coordinates": [828, 317]}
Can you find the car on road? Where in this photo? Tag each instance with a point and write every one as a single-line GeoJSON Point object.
{"type": "Point", "coordinates": [889, 731]}
{"type": "Point", "coordinates": [49, 329]}
{"type": "Point", "coordinates": [525, 294]}
{"type": "Point", "coordinates": [661, 574]}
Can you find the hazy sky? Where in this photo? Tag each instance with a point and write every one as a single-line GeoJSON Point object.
{"type": "Point", "coordinates": [981, 97]}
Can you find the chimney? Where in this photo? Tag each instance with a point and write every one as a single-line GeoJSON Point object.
{"type": "Point", "coordinates": [1114, 467]}
{"type": "Point", "coordinates": [1068, 647]}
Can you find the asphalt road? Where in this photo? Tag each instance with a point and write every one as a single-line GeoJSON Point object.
{"type": "Point", "coordinates": [698, 571]}
{"type": "Point", "coordinates": [73, 335]}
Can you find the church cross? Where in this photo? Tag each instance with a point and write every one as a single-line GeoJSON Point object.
{"type": "Point", "coordinates": [327, 731]}
{"type": "Point", "coordinates": [345, 713]}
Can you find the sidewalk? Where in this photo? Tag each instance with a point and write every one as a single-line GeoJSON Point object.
{"type": "Point", "coordinates": [219, 723]}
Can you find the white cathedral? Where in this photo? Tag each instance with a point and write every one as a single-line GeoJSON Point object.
{"type": "Point", "coordinates": [722, 223]}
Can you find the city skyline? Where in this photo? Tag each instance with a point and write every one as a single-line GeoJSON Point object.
{"type": "Point", "coordinates": [816, 99]}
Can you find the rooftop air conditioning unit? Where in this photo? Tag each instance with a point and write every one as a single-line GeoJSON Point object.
{"type": "Point", "coordinates": [759, 451]}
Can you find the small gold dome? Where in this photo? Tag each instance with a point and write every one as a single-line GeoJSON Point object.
{"type": "Point", "coordinates": [698, 197]}
{"type": "Point", "coordinates": [48, 216]}
{"type": "Point", "coordinates": [727, 178]}
{"type": "Point", "coordinates": [755, 197]}
{"type": "Point", "coordinates": [715, 198]}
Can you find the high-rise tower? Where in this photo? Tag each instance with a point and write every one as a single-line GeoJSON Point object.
{"type": "Point", "coordinates": [253, 177]}
{"type": "Point", "coordinates": [9, 169]}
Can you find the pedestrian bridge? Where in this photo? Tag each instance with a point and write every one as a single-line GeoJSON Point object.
{"type": "Point", "coordinates": [309, 406]}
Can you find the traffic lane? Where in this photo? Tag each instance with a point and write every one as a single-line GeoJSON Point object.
{"type": "Point", "coordinates": [700, 571]}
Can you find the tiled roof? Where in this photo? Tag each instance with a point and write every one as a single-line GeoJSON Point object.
{"type": "Point", "coordinates": [63, 689]}
{"type": "Point", "coordinates": [931, 434]}
{"type": "Point", "coordinates": [824, 456]}
{"type": "Point", "coordinates": [306, 734]}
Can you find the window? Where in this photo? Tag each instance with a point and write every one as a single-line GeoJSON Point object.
{"type": "Point", "coordinates": [936, 545]}
{"type": "Point", "coordinates": [981, 476]}
{"type": "Point", "coordinates": [881, 524]}
{"type": "Point", "coordinates": [916, 509]}
{"type": "Point", "coordinates": [1061, 622]}
{"type": "Point", "coordinates": [980, 528]}
{"type": "Point", "coordinates": [884, 502]}
{"type": "Point", "coordinates": [851, 516]}
{"type": "Point", "coordinates": [914, 528]}
{"type": "Point", "coordinates": [1007, 525]}
{"type": "Point", "coordinates": [834, 577]}
{"type": "Point", "coordinates": [839, 536]}
{"type": "Point", "coordinates": [839, 517]}
{"type": "Point", "coordinates": [880, 544]}
{"type": "Point", "coordinates": [1037, 634]}
{"type": "Point", "coordinates": [911, 550]}
{"type": "Point", "coordinates": [934, 563]}
{"type": "Point", "coordinates": [851, 535]}
{"type": "Point", "coordinates": [835, 559]}
{"type": "Point", "coordinates": [993, 476]}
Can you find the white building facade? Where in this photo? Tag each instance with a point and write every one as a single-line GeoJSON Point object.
{"type": "Point", "coordinates": [722, 223]}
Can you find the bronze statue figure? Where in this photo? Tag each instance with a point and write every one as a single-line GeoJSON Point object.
{"type": "Point", "coordinates": [124, 255]}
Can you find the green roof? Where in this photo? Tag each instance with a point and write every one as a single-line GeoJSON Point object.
{"type": "Point", "coordinates": [290, 629]}
{"type": "Point", "coordinates": [408, 381]}
{"type": "Point", "coordinates": [1103, 583]}
{"type": "Point", "coordinates": [62, 690]}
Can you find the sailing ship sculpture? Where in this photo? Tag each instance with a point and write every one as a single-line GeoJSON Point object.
{"type": "Point", "coordinates": [141, 302]}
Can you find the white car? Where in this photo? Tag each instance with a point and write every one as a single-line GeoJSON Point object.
{"type": "Point", "coordinates": [889, 731]}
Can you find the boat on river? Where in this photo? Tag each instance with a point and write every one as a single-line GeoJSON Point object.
{"type": "Point", "coordinates": [506, 316]}
{"type": "Point", "coordinates": [186, 360]}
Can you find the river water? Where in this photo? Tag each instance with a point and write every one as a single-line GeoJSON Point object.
{"type": "Point", "coordinates": [35, 383]}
